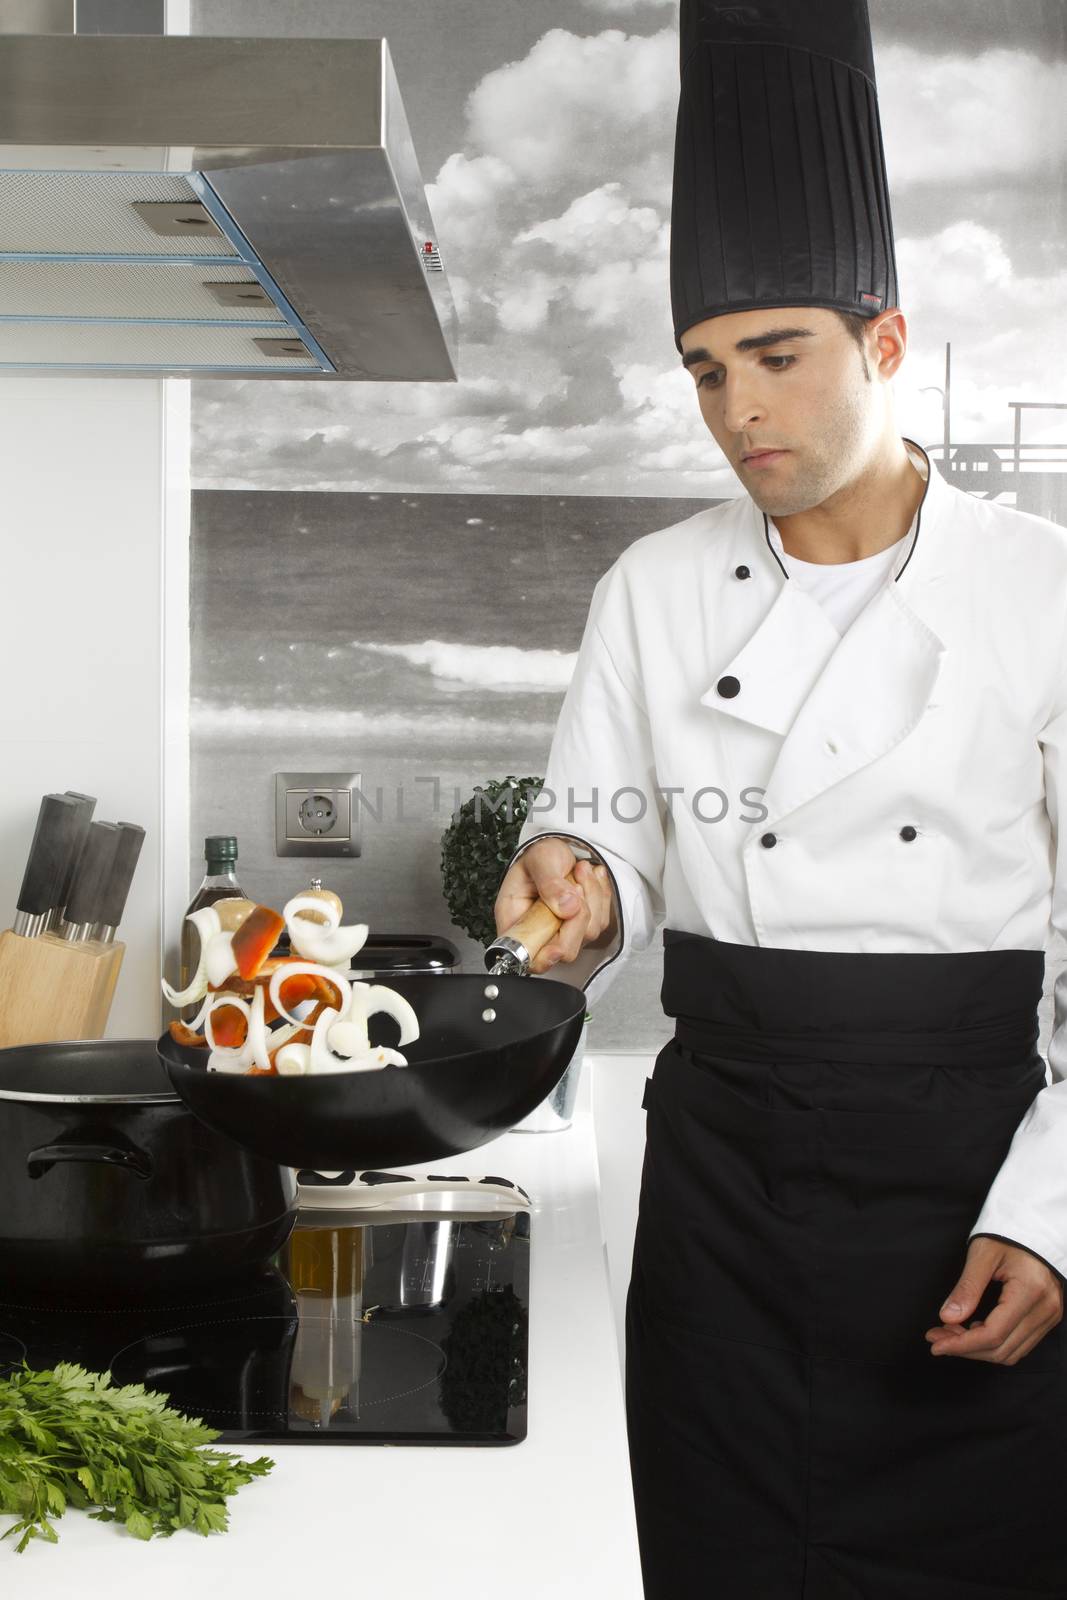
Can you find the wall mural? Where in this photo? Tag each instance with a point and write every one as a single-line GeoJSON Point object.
{"type": "Point", "coordinates": [395, 577]}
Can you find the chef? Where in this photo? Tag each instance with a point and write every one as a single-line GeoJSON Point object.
{"type": "Point", "coordinates": [819, 734]}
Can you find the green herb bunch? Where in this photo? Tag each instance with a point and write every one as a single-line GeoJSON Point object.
{"type": "Point", "coordinates": [71, 1438]}
{"type": "Point", "coordinates": [477, 846]}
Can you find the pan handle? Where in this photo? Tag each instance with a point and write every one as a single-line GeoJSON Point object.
{"type": "Point", "coordinates": [120, 1154]}
{"type": "Point", "coordinates": [531, 933]}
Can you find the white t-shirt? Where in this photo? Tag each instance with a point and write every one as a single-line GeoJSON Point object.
{"type": "Point", "coordinates": [843, 588]}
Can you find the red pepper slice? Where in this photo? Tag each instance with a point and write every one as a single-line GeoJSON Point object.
{"type": "Point", "coordinates": [181, 1034]}
{"type": "Point", "coordinates": [255, 939]}
{"type": "Point", "coordinates": [229, 1027]}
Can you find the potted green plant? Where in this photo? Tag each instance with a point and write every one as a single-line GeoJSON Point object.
{"type": "Point", "coordinates": [476, 847]}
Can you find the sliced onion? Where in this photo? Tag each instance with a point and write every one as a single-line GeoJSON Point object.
{"type": "Point", "coordinates": [206, 923]}
{"type": "Point", "coordinates": [197, 1023]}
{"type": "Point", "coordinates": [348, 1039]}
{"type": "Point", "coordinates": [293, 969]}
{"type": "Point", "coordinates": [219, 1003]}
{"type": "Point", "coordinates": [257, 1031]}
{"type": "Point", "coordinates": [219, 959]}
{"type": "Point", "coordinates": [320, 1058]}
{"type": "Point", "coordinates": [391, 1058]}
{"type": "Point", "coordinates": [220, 1061]}
{"type": "Point", "coordinates": [322, 939]}
{"type": "Point", "coordinates": [380, 998]}
{"type": "Point", "coordinates": [293, 1060]}
{"type": "Point", "coordinates": [309, 903]}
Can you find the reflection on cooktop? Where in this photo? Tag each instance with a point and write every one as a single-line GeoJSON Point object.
{"type": "Point", "coordinates": [12, 1351]}
{"type": "Point", "coordinates": [341, 1368]}
{"type": "Point", "coordinates": [378, 1332]}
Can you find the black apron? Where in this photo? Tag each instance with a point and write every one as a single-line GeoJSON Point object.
{"type": "Point", "coordinates": [822, 1131]}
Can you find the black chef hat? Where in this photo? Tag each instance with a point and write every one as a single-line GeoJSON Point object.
{"type": "Point", "coordinates": [780, 192]}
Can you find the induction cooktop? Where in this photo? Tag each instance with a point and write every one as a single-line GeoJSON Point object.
{"type": "Point", "coordinates": [403, 1328]}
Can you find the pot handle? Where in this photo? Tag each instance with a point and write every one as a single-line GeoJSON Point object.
{"type": "Point", "coordinates": [118, 1154]}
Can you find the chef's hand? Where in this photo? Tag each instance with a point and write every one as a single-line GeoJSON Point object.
{"type": "Point", "coordinates": [538, 874]}
{"type": "Point", "coordinates": [1030, 1303]}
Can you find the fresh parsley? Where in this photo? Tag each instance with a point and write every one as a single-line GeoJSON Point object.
{"type": "Point", "coordinates": [72, 1438]}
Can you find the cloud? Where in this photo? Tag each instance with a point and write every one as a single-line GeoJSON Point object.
{"type": "Point", "coordinates": [500, 668]}
{"type": "Point", "coordinates": [954, 117]}
{"type": "Point", "coordinates": [554, 226]}
{"type": "Point", "coordinates": [963, 285]}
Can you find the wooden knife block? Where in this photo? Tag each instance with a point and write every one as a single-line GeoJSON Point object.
{"type": "Point", "coordinates": [50, 989]}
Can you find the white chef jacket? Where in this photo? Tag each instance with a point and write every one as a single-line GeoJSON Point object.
{"type": "Point", "coordinates": [713, 702]}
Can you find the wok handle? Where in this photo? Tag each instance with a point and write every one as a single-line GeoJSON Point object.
{"type": "Point", "coordinates": [537, 926]}
{"type": "Point", "coordinates": [128, 1156]}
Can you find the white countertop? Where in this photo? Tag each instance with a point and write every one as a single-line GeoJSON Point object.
{"type": "Point", "coordinates": [551, 1516]}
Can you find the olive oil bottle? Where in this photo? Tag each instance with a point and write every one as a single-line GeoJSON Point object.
{"type": "Point", "coordinates": [219, 883]}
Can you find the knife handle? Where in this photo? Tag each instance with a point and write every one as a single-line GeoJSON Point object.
{"type": "Point", "coordinates": [127, 850]}
{"type": "Point", "coordinates": [86, 804]}
{"type": "Point", "coordinates": [50, 853]}
{"type": "Point", "coordinates": [90, 879]}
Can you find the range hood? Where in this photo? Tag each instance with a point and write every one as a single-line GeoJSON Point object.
{"type": "Point", "coordinates": [215, 207]}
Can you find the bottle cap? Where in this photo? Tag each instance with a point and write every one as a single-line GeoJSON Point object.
{"type": "Point", "coordinates": [220, 847]}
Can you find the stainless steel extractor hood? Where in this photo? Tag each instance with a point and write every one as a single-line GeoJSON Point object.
{"type": "Point", "coordinates": [208, 207]}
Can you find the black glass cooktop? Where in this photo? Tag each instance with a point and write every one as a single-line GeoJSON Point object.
{"type": "Point", "coordinates": [391, 1331]}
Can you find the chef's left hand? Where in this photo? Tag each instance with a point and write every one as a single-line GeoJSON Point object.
{"type": "Point", "coordinates": [1030, 1304]}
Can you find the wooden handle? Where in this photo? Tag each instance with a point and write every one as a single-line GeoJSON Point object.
{"type": "Point", "coordinates": [536, 927]}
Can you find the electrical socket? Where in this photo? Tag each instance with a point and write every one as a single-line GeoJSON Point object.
{"type": "Point", "coordinates": [315, 814]}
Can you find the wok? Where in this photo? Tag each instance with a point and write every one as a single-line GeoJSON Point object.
{"type": "Point", "coordinates": [480, 1064]}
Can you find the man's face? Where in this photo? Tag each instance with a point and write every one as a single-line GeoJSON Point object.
{"type": "Point", "coordinates": [791, 381]}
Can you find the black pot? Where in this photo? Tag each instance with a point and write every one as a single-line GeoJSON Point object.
{"type": "Point", "coordinates": [110, 1186]}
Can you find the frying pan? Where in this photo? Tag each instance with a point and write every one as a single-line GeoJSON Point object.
{"type": "Point", "coordinates": [490, 1048]}
{"type": "Point", "coordinates": [468, 1079]}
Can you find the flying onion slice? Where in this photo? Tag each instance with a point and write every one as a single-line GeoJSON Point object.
{"type": "Point", "coordinates": [320, 1058]}
{"type": "Point", "coordinates": [219, 959]}
{"type": "Point", "coordinates": [257, 1032]}
{"type": "Point", "coordinates": [370, 999]}
{"type": "Point", "coordinates": [348, 1036]}
{"type": "Point", "coordinates": [238, 1057]}
{"type": "Point", "coordinates": [308, 906]}
{"type": "Point", "coordinates": [327, 943]}
{"type": "Point", "coordinates": [349, 1040]}
{"type": "Point", "coordinates": [293, 969]}
{"type": "Point", "coordinates": [292, 1060]}
{"type": "Point", "coordinates": [206, 923]}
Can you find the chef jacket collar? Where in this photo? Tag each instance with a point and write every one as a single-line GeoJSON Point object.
{"type": "Point", "coordinates": [838, 701]}
{"type": "Point", "coordinates": [928, 507]}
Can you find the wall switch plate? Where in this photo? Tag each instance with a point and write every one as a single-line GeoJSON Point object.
{"type": "Point", "coordinates": [316, 814]}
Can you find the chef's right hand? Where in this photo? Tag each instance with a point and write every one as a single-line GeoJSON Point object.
{"type": "Point", "coordinates": [538, 874]}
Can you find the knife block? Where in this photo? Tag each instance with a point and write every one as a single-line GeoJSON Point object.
{"type": "Point", "coordinates": [50, 989]}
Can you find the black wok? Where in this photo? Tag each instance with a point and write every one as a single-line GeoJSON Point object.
{"type": "Point", "coordinates": [469, 1079]}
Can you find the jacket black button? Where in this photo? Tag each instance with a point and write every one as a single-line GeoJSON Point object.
{"type": "Point", "coordinates": [728, 687]}
{"type": "Point", "coordinates": [742, 572]}
{"type": "Point", "coordinates": [908, 832]}
{"type": "Point", "coordinates": [769, 839]}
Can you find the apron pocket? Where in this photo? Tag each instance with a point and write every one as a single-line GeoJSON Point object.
{"type": "Point", "coordinates": [723, 1243]}
{"type": "Point", "coordinates": [900, 1193]}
